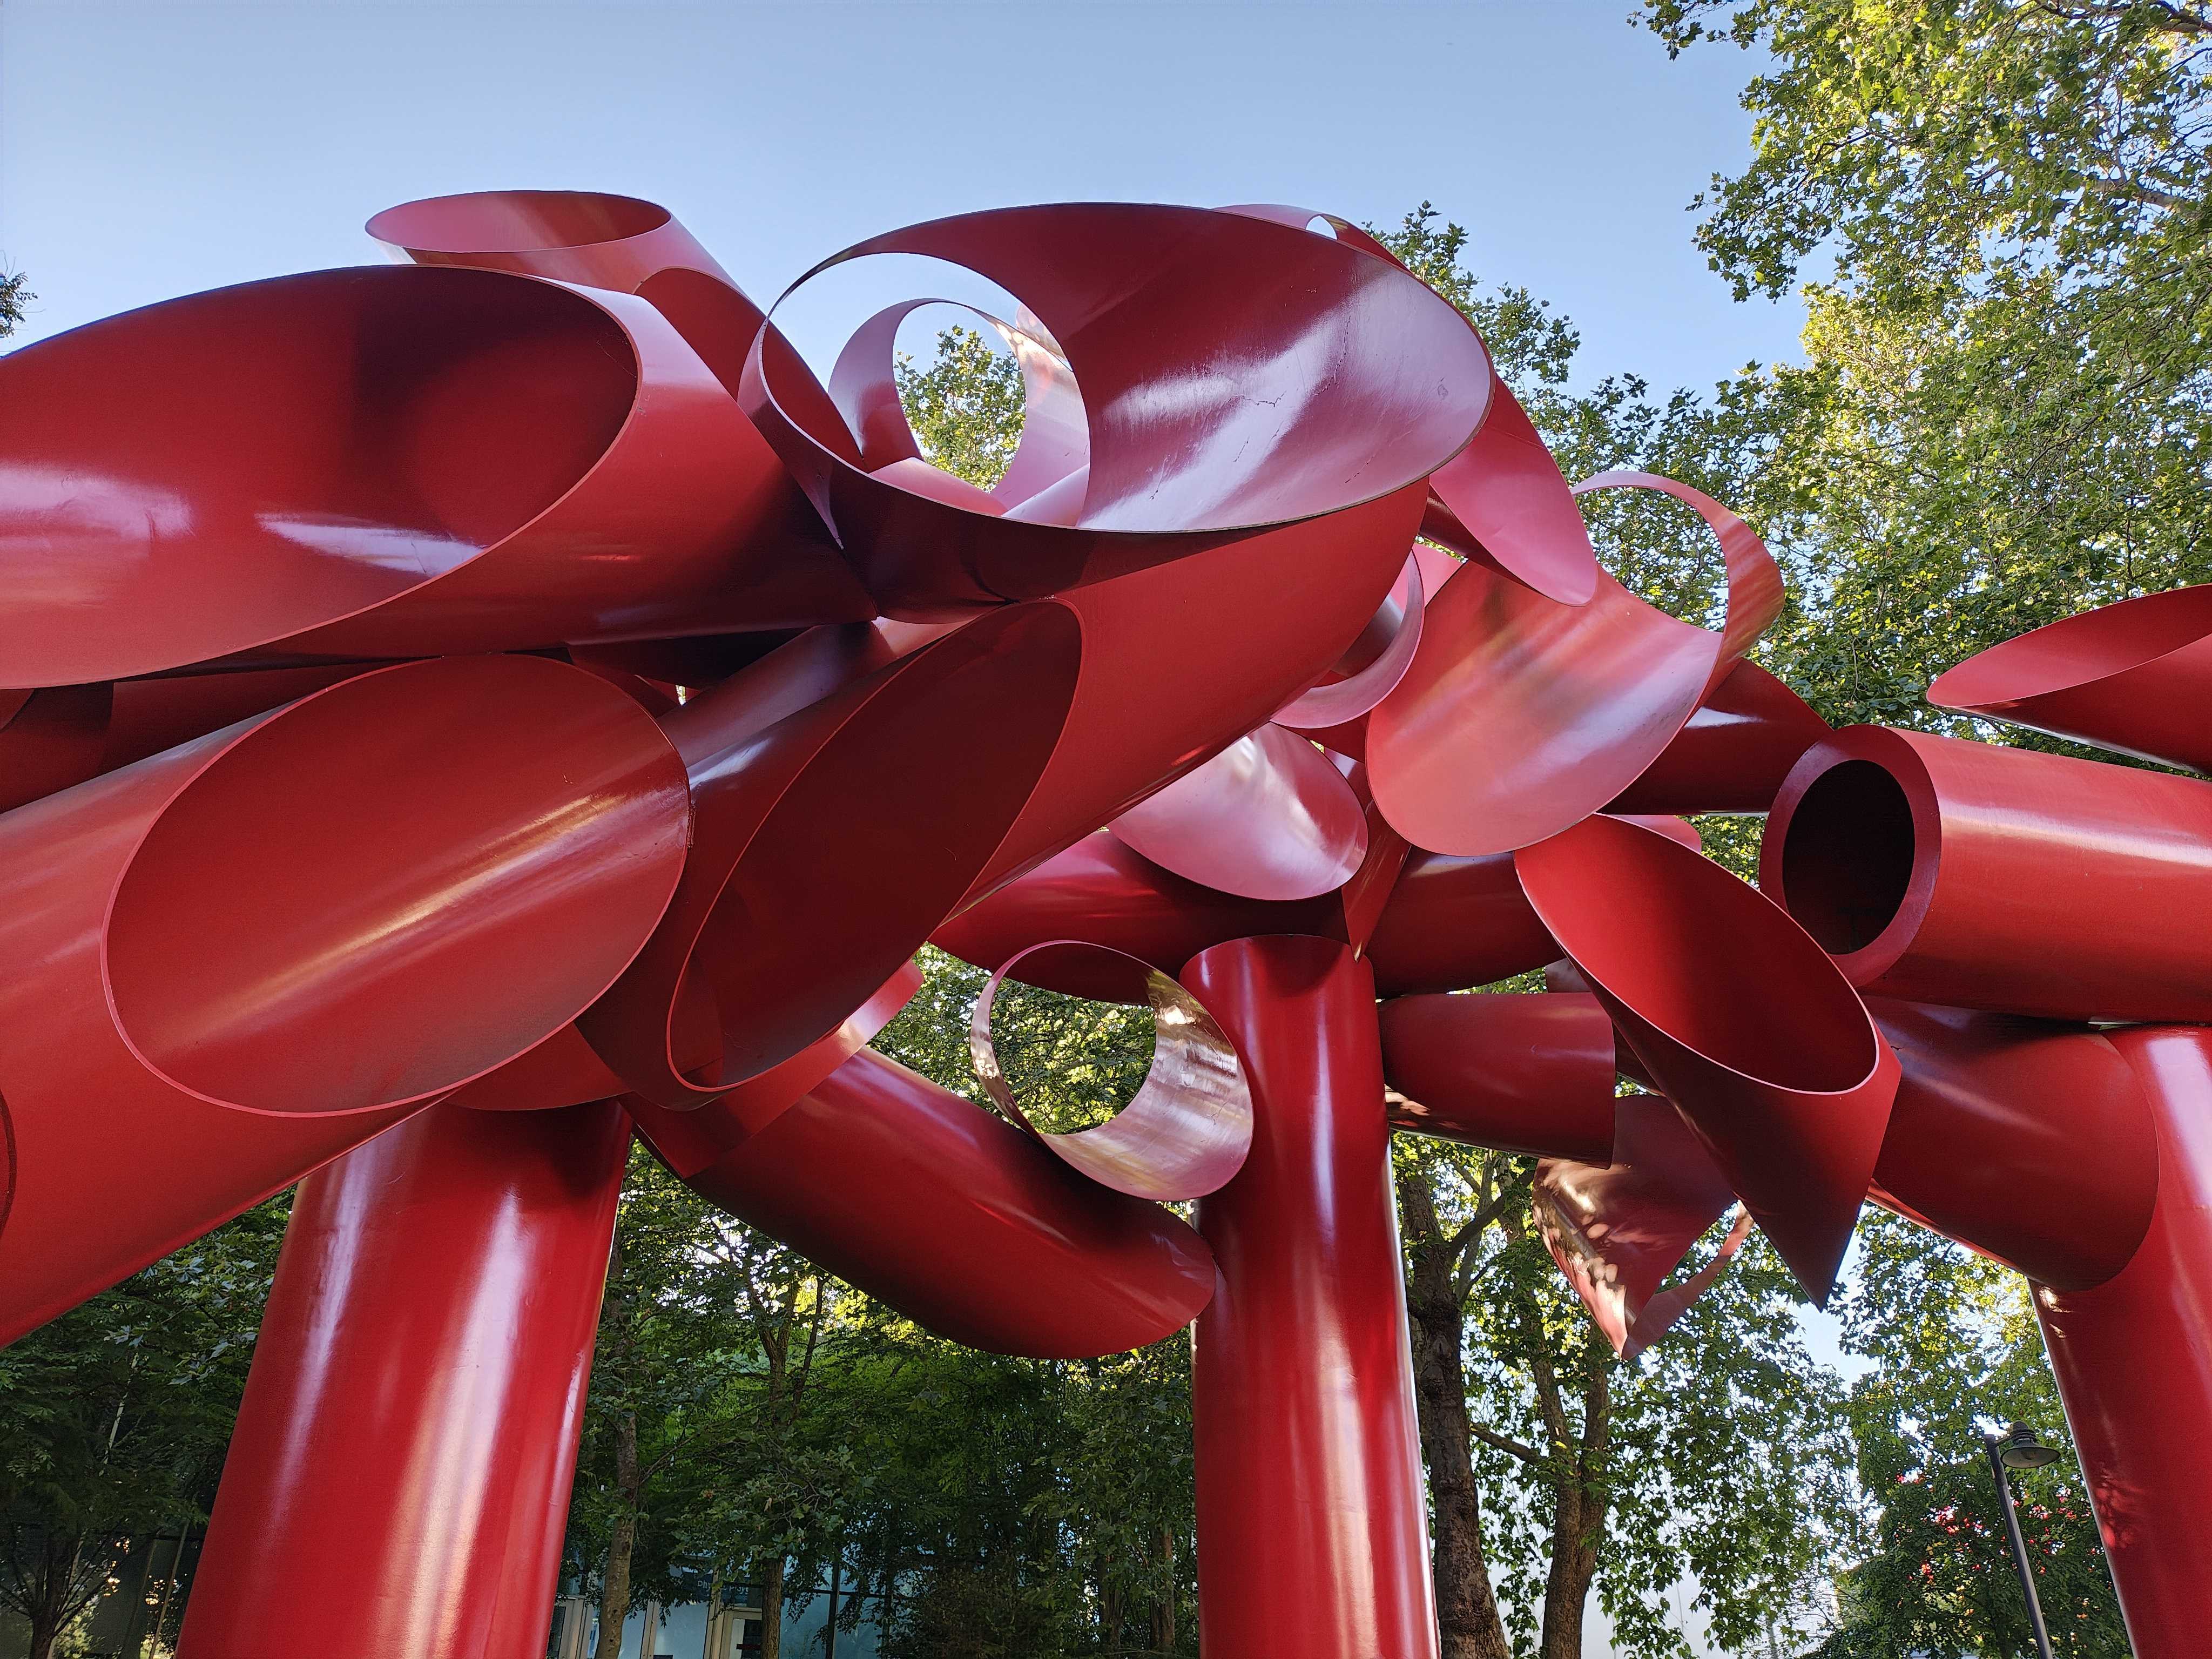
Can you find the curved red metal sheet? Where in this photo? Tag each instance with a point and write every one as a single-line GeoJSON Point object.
{"type": "Point", "coordinates": [2134, 677]}
{"type": "Point", "coordinates": [1207, 418]}
{"type": "Point", "coordinates": [399, 1474]}
{"type": "Point", "coordinates": [1453, 922]}
{"type": "Point", "coordinates": [1939, 870]}
{"type": "Point", "coordinates": [1188, 1126]}
{"type": "Point", "coordinates": [1370, 671]}
{"type": "Point", "coordinates": [1502, 500]}
{"type": "Point", "coordinates": [1733, 754]}
{"type": "Point", "coordinates": [1165, 685]}
{"type": "Point", "coordinates": [1302, 1371]}
{"type": "Point", "coordinates": [389, 461]}
{"type": "Point", "coordinates": [225, 965]}
{"type": "Point", "coordinates": [2134, 1361]}
{"type": "Point", "coordinates": [2029, 1142]}
{"type": "Point", "coordinates": [1530, 1073]}
{"type": "Point", "coordinates": [1268, 817]}
{"type": "Point", "coordinates": [614, 242]}
{"type": "Point", "coordinates": [51, 739]}
{"type": "Point", "coordinates": [796, 906]}
{"type": "Point", "coordinates": [1105, 893]}
{"type": "Point", "coordinates": [1618, 1229]}
{"type": "Point", "coordinates": [1521, 716]}
{"type": "Point", "coordinates": [960, 1221]}
{"type": "Point", "coordinates": [691, 1140]}
{"type": "Point", "coordinates": [1738, 1015]}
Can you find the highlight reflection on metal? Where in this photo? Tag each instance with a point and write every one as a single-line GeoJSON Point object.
{"type": "Point", "coordinates": [1617, 1229]}
{"type": "Point", "coordinates": [1738, 1015]}
{"type": "Point", "coordinates": [2134, 677]}
{"type": "Point", "coordinates": [1268, 817]}
{"type": "Point", "coordinates": [285, 867]}
{"type": "Point", "coordinates": [1187, 1129]}
{"type": "Point", "coordinates": [1521, 716]}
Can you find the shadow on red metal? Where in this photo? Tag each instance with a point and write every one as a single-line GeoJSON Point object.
{"type": "Point", "coordinates": [2029, 1142]}
{"type": "Point", "coordinates": [225, 965]}
{"type": "Point", "coordinates": [1187, 1129]}
{"type": "Point", "coordinates": [399, 1479]}
{"type": "Point", "coordinates": [1739, 1017]}
{"type": "Point", "coordinates": [1618, 1229]}
{"type": "Point", "coordinates": [1312, 1530]}
{"type": "Point", "coordinates": [1939, 870]}
{"type": "Point", "coordinates": [1735, 753]}
{"type": "Point", "coordinates": [2134, 677]}
{"type": "Point", "coordinates": [1530, 1073]}
{"type": "Point", "coordinates": [960, 1221]}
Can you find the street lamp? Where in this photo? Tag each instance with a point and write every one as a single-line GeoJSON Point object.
{"type": "Point", "coordinates": [2016, 1448]}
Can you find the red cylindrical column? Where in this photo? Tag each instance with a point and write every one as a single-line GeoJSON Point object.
{"type": "Point", "coordinates": [1312, 1541]}
{"type": "Point", "coordinates": [398, 1479]}
{"type": "Point", "coordinates": [2134, 1359]}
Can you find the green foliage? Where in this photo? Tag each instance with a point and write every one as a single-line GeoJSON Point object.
{"type": "Point", "coordinates": [965, 408]}
{"type": "Point", "coordinates": [15, 300]}
{"type": "Point", "coordinates": [1956, 1348]}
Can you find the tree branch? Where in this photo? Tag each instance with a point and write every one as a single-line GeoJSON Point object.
{"type": "Point", "coordinates": [1490, 1437]}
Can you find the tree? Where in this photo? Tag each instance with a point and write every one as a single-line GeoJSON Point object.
{"type": "Point", "coordinates": [15, 302]}
{"type": "Point", "coordinates": [114, 1417]}
{"type": "Point", "coordinates": [965, 408]}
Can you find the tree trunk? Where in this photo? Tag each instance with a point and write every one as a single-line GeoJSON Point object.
{"type": "Point", "coordinates": [1164, 1608]}
{"type": "Point", "coordinates": [1578, 1518]}
{"type": "Point", "coordinates": [1467, 1607]}
{"type": "Point", "coordinates": [614, 1582]}
{"type": "Point", "coordinates": [772, 1610]}
{"type": "Point", "coordinates": [52, 1615]}
{"type": "Point", "coordinates": [1109, 1607]}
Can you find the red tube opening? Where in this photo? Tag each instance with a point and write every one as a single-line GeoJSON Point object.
{"type": "Point", "coordinates": [1847, 855]}
{"type": "Point", "coordinates": [395, 885]}
{"type": "Point", "coordinates": [514, 221]}
{"type": "Point", "coordinates": [782, 954]}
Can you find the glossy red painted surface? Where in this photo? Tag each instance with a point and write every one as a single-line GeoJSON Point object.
{"type": "Point", "coordinates": [1312, 1535]}
{"type": "Point", "coordinates": [399, 1479]}
{"type": "Point", "coordinates": [1268, 817]}
{"type": "Point", "coordinates": [2133, 677]}
{"type": "Point", "coordinates": [388, 461]}
{"type": "Point", "coordinates": [1735, 753]}
{"type": "Point", "coordinates": [794, 908]}
{"type": "Point", "coordinates": [1167, 681]}
{"type": "Point", "coordinates": [225, 965]}
{"type": "Point", "coordinates": [690, 1139]}
{"type": "Point", "coordinates": [2031, 1142]}
{"type": "Point", "coordinates": [1738, 1015]}
{"type": "Point", "coordinates": [1531, 1073]}
{"type": "Point", "coordinates": [1503, 502]}
{"type": "Point", "coordinates": [1521, 716]}
{"type": "Point", "coordinates": [1104, 892]}
{"type": "Point", "coordinates": [1371, 669]}
{"type": "Point", "coordinates": [1453, 922]}
{"type": "Point", "coordinates": [1188, 1126]}
{"type": "Point", "coordinates": [960, 1221]}
{"type": "Point", "coordinates": [1617, 1229]}
{"type": "Point", "coordinates": [1222, 371]}
{"type": "Point", "coordinates": [2134, 1361]}
{"type": "Point", "coordinates": [1943, 870]}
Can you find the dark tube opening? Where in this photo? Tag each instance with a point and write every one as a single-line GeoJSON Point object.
{"type": "Point", "coordinates": [1847, 856]}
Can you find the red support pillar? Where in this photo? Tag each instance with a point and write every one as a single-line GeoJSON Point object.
{"type": "Point", "coordinates": [398, 1480]}
{"type": "Point", "coordinates": [2134, 1360]}
{"type": "Point", "coordinates": [1313, 1539]}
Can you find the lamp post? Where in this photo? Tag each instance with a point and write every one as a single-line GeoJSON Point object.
{"type": "Point", "coordinates": [2017, 1448]}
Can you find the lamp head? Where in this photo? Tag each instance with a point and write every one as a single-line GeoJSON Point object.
{"type": "Point", "coordinates": [2018, 1448]}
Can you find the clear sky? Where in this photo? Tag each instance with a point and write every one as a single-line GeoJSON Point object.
{"type": "Point", "coordinates": [153, 150]}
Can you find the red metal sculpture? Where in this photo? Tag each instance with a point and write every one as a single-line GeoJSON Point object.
{"type": "Point", "coordinates": [461, 714]}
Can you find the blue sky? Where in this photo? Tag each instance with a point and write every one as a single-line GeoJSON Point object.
{"type": "Point", "coordinates": [153, 150]}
